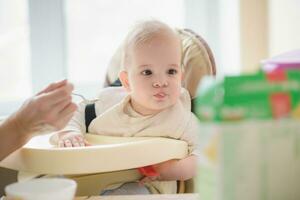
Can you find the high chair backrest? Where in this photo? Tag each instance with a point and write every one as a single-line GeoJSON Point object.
{"type": "Point", "coordinates": [197, 60]}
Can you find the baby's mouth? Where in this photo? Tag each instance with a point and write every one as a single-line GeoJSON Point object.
{"type": "Point", "coordinates": [160, 95]}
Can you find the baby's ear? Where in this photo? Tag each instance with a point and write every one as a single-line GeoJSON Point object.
{"type": "Point", "coordinates": [123, 76]}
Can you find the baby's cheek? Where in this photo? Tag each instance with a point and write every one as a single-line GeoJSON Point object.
{"type": "Point", "coordinates": [141, 89]}
{"type": "Point", "coordinates": [140, 92]}
{"type": "Point", "coordinates": [177, 89]}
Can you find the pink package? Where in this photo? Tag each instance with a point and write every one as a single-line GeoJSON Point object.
{"type": "Point", "coordinates": [285, 61]}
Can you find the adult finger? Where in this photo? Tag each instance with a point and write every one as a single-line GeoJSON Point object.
{"type": "Point", "coordinates": [61, 122]}
{"type": "Point", "coordinates": [59, 106]}
{"type": "Point", "coordinates": [53, 86]}
{"type": "Point", "coordinates": [57, 95]}
{"type": "Point", "coordinates": [69, 109]}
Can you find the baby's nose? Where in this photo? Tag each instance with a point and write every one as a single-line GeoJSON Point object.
{"type": "Point", "coordinates": [160, 83]}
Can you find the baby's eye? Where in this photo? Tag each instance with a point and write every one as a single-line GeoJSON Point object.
{"type": "Point", "coordinates": [172, 71]}
{"type": "Point", "coordinates": [146, 72]}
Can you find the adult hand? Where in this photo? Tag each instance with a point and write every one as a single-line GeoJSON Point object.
{"type": "Point", "coordinates": [50, 108]}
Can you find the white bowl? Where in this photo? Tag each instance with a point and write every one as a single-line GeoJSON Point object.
{"type": "Point", "coordinates": [42, 189]}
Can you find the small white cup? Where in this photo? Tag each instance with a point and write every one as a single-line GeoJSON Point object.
{"type": "Point", "coordinates": [42, 189]}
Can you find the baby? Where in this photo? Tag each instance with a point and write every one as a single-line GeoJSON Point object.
{"type": "Point", "coordinates": [151, 102]}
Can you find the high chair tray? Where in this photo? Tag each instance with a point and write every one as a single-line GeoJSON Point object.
{"type": "Point", "coordinates": [105, 155]}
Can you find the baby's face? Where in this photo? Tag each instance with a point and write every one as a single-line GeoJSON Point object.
{"type": "Point", "coordinates": [154, 75]}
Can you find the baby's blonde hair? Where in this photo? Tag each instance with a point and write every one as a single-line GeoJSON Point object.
{"type": "Point", "coordinates": [141, 33]}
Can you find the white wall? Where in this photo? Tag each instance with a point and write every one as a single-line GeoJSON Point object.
{"type": "Point", "coordinates": [284, 26]}
{"type": "Point", "coordinates": [217, 21]}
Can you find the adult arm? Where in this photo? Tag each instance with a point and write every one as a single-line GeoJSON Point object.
{"type": "Point", "coordinates": [50, 108]}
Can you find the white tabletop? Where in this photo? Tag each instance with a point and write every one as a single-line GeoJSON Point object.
{"type": "Point", "coordinates": [193, 196]}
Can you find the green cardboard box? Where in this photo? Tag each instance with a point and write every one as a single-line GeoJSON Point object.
{"type": "Point", "coordinates": [257, 96]}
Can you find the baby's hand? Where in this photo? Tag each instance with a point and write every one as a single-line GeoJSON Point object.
{"type": "Point", "coordinates": [70, 139]}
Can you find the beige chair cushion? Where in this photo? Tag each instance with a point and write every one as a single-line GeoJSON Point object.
{"type": "Point", "coordinates": [197, 60]}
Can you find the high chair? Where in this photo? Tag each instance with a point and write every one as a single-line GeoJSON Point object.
{"type": "Point", "coordinates": [107, 161]}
